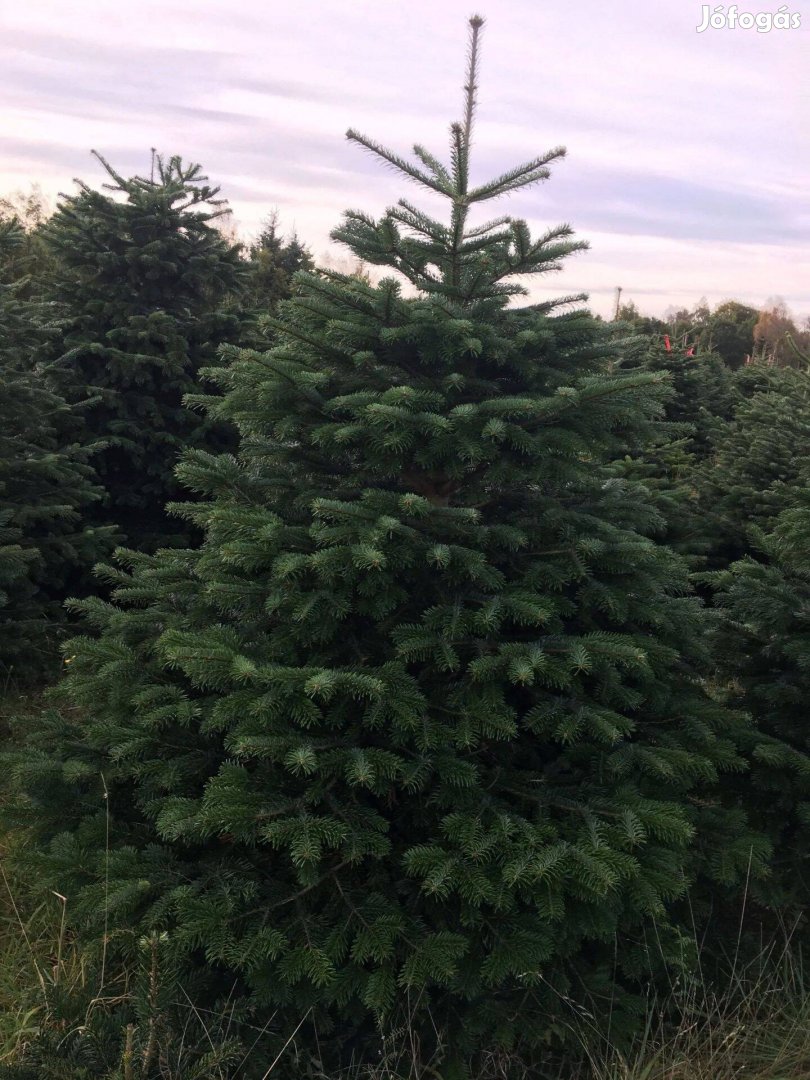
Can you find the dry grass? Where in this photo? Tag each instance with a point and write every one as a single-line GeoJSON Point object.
{"type": "Point", "coordinates": [757, 1028]}
{"type": "Point", "coordinates": [37, 955]}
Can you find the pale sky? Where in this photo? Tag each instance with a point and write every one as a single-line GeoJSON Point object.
{"type": "Point", "coordinates": [688, 153]}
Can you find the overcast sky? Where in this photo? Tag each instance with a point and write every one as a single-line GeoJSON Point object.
{"type": "Point", "coordinates": [688, 154]}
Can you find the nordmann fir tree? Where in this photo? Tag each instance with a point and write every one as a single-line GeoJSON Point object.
{"type": "Point", "coordinates": [148, 285]}
{"type": "Point", "coordinates": [758, 459]}
{"type": "Point", "coordinates": [755, 497]}
{"type": "Point", "coordinates": [417, 738]}
{"type": "Point", "coordinates": [46, 487]}
{"type": "Point", "coordinates": [762, 650]}
{"type": "Point", "coordinates": [273, 260]}
{"type": "Point", "coordinates": [703, 394]}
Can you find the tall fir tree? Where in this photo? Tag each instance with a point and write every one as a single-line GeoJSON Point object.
{"type": "Point", "coordinates": [46, 487]}
{"type": "Point", "coordinates": [418, 736]}
{"type": "Point", "coordinates": [702, 396]}
{"type": "Point", "coordinates": [754, 497]}
{"type": "Point", "coordinates": [147, 282]}
{"type": "Point", "coordinates": [762, 650]}
{"type": "Point", "coordinates": [758, 459]}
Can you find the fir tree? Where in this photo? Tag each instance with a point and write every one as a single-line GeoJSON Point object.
{"type": "Point", "coordinates": [702, 394]}
{"type": "Point", "coordinates": [418, 735]}
{"type": "Point", "coordinates": [274, 261]}
{"type": "Point", "coordinates": [147, 282]}
{"type": "Point", "coordinates": [754, 497]}
{"type": "Point", "coordinates": [762, 647]}
{"type": "Point", "coordinates": [46, 487]}
{"type": "Point", "coordinates": [27, 258]}
{"type": "Point", "coordinates": [758, 458]}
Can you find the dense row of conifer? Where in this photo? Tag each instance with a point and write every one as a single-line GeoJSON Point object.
{"type": "Point", "coordinates": [452, 661]}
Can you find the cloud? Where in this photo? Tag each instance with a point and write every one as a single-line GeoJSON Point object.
{"type": "Point", "coordinates": [687, 166]}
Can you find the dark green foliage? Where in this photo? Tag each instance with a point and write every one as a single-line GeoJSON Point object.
{"type": "Point", "coordinates": [147, 283]}
{"type": "Point", "coordinates": [755, 501]}
{"type": "Point", "coordinates": [144, 1026]}
{"type": "Point", "coordinates": [760, 457]}
{"type": "Point", "coordinates": [727, 332]}
{"type": "Point", "coordinates": [274, 260]}
{"type": "Point", "coordinates": [702, 394]}
{"type": "Point", "coordinates": [732, 332]}
{"type": "Point", "coordinates": [46, 486]}
{"type": "Point", "coordinates": [418, 736]}
{"type": "Point", "coordinates": [762, 649]}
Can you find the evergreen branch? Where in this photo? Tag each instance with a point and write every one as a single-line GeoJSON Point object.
{"type": "Point", "coordinates": [531, 172]}
{"type": "Point", "coordinates": [459, 155]}
{"type": "Point", "coordinates": [308, 888]}
{"type": "Point", "coordinates": [120, 182]}
{"type": "Point", "coordinates": [549, 305]}
{"type": "Point", "coordinates": [433, 163]}
{"type": "Point", "coordinates": [396, 161]}
{"type": "Point", "coordinates": [481, 230]}
{"type": "Point", "coordinates": [471, 87]}
{"type": "Point", "coordinates": [412, 217]}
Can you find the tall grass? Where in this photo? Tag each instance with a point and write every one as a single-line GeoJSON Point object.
{"type": "Point", "coordinates": [38, 955]}
{"type": "Point", "coordinates": [756, 1026]}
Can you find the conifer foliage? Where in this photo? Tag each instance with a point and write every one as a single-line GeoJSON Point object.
{"type": "Point", "coordinates": [413, 737]}
{"type": "Point", "coordinates": [763, 651]}
{"type": "Point", "coordinates": [758, 487]}
{"type": "Point", "coordinates": [274, 260]}
{"type": "Point", "coordinates": [46, 487]}
{"type": "Point", "coordinates": [702, 396]}
{"type": "Point", "coordinates": [759, 458]}
{"type": "Point", "coordinates": [147, 283]}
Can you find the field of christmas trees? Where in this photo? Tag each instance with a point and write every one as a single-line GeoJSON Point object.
{"type": "Point", "coordinates": [398, 678]}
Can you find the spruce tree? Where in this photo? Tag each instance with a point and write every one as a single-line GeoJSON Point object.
{"type": "Point", "coordinates": [148, 283]}
{"type": "Point", "coordinates": [46, 488]}
{"type": "Point", "coordinates": [417, 738]}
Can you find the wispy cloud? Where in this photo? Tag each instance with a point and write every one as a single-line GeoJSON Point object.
{"type": "Point", "coordinates": [688, 157]}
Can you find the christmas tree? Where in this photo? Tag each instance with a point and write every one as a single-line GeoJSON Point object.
{"type": "Point", "coordinates": [417, 738]}
{"type": "Point", "coordinates": [702, 396]}
{"type": "Point", "coordinates": [273, 262]}
{"type": "Point", "coordinates": [755, 496]}
{"type": "Point", "coordinates": [46, 488]}
{"type": "Point", "coordinates": [762, 646]}
{"type": "Point", "coordinates": [147, 282]}
{"type": "Point", "coordinates": [25, 261]}
{"type": "Point", "coordinates": [758, 459]}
